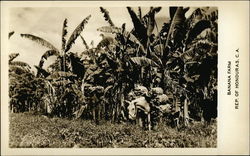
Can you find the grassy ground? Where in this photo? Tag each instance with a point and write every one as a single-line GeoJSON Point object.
{"type": "Point", "coordinates": [27, 130]}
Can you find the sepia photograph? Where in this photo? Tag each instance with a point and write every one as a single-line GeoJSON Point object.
{"type": "Point", "coordinates": [99, 80]}
{"type": "Point", "coordinates": [115, 77]}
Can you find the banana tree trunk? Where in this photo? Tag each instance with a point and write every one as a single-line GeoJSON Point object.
{"type": "Point", "coordinates": [186, 116]}
{"type": "Point", "coordinates": [142, 74]}
{"type": "Point", "coordinates": [163, 78]}
{"type": "Point", "coordinates": [150, 77]}
{"type": "Point", "coordinates": [29, 103]}
{"type": "Point", "coordinates": [113, 113]}
{"type": "Point", "coordinates": [11, 109]}
{"type": "Point", "coordinates": [118, 105]}
{"type": "Point", "coordinates": [113, 109]}
{"type": "Point", "coordinates": [176, 104]}
{"type": "Point", "coordinates": [121, 102]}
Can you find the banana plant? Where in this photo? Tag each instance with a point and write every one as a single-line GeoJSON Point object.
{"type": "Point", "coordinates": [66, 44]}
{"type": "Point", "coordinates": [67, 68]}
{"type": "Point", "coordinates": [25, 89]}
{"type": "Point", "coordinates": [115, 61]}
{"type": "Point", "coordinates": [191, 47]}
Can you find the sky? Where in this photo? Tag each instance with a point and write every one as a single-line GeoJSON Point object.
{"type": "Point", "coordinates": [47, 24]}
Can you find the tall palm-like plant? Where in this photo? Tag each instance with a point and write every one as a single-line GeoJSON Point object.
{"type": "Point", "coordinates": [128, 50]}
{"type": "Point", "coordinates": [138, 41]}
{"type": "Point", "coordinates": [180, 52]}
{"type": "Point", "coordinates": [67, 67]}
{"type": "Point", "coordinates": [188, 45]}
{"type": "Point", "coordinates": [25, 90]}
{"type": "Point", "coordinates": [115, 62]}
{"type": "Point", "coordinates": [191, 49]}
{"type": "Point", "coordinates": [66, 45]}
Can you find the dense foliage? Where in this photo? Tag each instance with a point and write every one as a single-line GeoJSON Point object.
{"type": "Point", "coordinates": [181, 58]}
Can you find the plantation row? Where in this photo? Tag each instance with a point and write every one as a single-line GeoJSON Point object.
{"type": "Point", "coordinates": [181, 59]}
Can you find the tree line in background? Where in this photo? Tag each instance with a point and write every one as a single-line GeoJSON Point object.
{"type": "Point", "coordinates": [181, 58]}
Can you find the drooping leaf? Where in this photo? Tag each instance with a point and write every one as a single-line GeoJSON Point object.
{"type": "Point", "coordinates": [203, 13]}
{"type": "Point", "coordinates": [17, 69]}
{"type": "Point", "coordinates": [62, 82]}
{"type": "Point", "coordinates": [139, 13]}
{"type": "Point", "coordinates": [162, 35]}
{"type": "Point", "coordinates": [143, 61]}
{"type": "Point", "coordinates": [123, 28]}
{"type": "Point", "coordinates": [151, 22]}
{"type": "Point", "coordinates": [92, 43]}
{"type": "Point", "coordinates": [208, 64]}
{"type": "Point", "coordinates": [177, 21]}
{"type": "Point", "coordinates": [213, 50]}
{"type": "Point", "coordinates": [39, 40]}
{"type": "Point", "coordinates": [134, 39]}
{"type": "Point", "coordinates": [172, 11]}
{"type": "Point", "coordinates": [106, 16]}
{"type": "Point", "coordinates": [55, 65]}
{"type": "Point", "coordinates": [77, 65]}
{"type": "Point", "coordinates": [46, 55]}
{"type": "Point", "coordinates": [158, 50]}
{"type": "Point", "coordinates": [50, 53]}
{"type": "Point", "coordinates": [203, 45]}
{"type": "Point", "coordinates": [156, 9]}
{"type": "Point", "coordinates": [76, 33]}
{"type": "Point", "coordinates": [105, 42]}
{"type": "Point", "coordinates": [206, 34]}
{"type": "Point", "coordinates": [164, 29]}
{"type": "Point", "coordinates": [11, 33]}
{"type": "Point", "coordinates": [109, 29]}
{"type": "Point", "coordinates": [41, 71]}
{"type": "Point", "coordinates": [153, 10]}
{"type": "Point", "coordinates": [12, 56]}
{"type": "Point", "coordinates": [20, 63]}
{"type": "Point", "coordinates": [187, 55]}
{"type": "Point", "coordinates": [106, 90]}
{"type": "Point", "coordinates": [140, 30]}
{"type": "Point", "coordinates": [197, 29]}
{"type": "Point", "coordinates": [64, 33]}
{"type": "Point", "coordinates": [90, 73]}
{"type": "Point", "coordinates": [41, 63]}
{"type": "Point", "coordinates": [196, 15]}
{"type": "Point", "coordinates": [79, 93]}
{"type": "Point", "coordinates": [84, 42]}
{"type": "Point", "coordinates": [60, 74]}
{"type": "Point", "coordinates": [78, 113]}
{"type": "Point", "coordinates": [191, 68]}
{"type": "Point", "coordinates": [156, 59]}
{"type": "Point", "coordinates": [211, 14]}
{"type": "Point", "coordinates": [149, 19]}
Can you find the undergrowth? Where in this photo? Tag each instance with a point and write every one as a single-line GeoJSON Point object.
{"type": "Point", "coordinates": [28, 130]}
